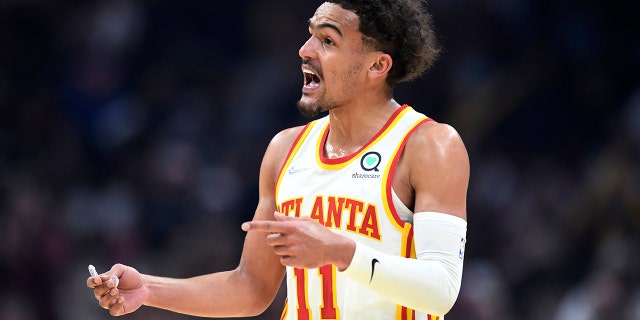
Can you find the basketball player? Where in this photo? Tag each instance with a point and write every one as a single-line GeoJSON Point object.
{"type": "Point", "coordinates": [364, 210]}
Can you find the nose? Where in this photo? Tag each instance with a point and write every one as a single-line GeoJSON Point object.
{"type": "Point", "coordinates": [307, 51]}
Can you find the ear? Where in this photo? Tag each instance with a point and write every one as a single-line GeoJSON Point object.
{"type": "Point", "coordinates": [380, 66]}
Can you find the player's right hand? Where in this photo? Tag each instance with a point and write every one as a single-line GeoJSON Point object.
{"type": "Point", "coordinates": [127, 297]}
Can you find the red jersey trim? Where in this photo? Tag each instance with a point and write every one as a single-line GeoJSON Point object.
{"type": "Point", "coordinates": [392, 171]}
{"type": "Point", "coordinates": [292, 151]}
{"type": "Point", "coordinates": [338, 163]}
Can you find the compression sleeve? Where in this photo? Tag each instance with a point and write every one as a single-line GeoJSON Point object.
{"type": "Point", "coordinates": [428, 284]}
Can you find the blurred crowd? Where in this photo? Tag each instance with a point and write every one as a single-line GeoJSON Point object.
{"type": "Point", "coordinates": [133, 131]}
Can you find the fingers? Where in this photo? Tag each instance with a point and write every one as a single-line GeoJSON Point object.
{"type": "Point", "coordinates": [281, 217]}
{"type": "Point", "coordinates": [275, 239]}
{"type": "Point", "coordinates": [279, 243]}
{"type": "Point", "coordinates": [107, 299]}
{"type": "Point", "coordinates": [103, 279]}
{"type": "Point", "coordinates": [105, 288]}
{"type": "Point", "coordinates": [278, 226]}
{"type": "Point", "coordinates": [283, 246]}
{"type": "Point", "coordinates": [117, 309]}
{"type": "Point", "coordinates": [111, 278]}
{"type": "Point", "coordinates": [112, 302]}
{"type": "Point", "coordinates": [93, 282]}
{"type": "Point", "coordinates": [288, 261]}
{"type": "Point", "coordinates": [265, 226]}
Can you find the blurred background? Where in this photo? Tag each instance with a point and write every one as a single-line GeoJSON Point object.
{"type": "Point", "coordinates": [132, 131]}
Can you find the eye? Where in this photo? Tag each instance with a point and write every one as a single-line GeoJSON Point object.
{"type": "Point", "coordinates": [328, 41]}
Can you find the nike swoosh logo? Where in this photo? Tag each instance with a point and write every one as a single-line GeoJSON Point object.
{"type": "Point", "coordinates": [373, 268]}
{"type": "Point", "coordinates": [296, 170]}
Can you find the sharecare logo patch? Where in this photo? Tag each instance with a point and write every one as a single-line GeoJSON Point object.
{"type": "Point", "coordinates": [370, 161]}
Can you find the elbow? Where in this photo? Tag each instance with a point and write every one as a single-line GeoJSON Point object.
{"type": "Point", "coordinates": [439, 296]}
{"type": "Point", "coordinates": [257, 302]}
{"type": "Point", "coordinates": [259, 306]}
{"type": "Point", "coordinates": [442, 299]}
{"type": "Point", "coordinates": [255, 296]}
{"type": "Point", "coordinates": [253, 306]}
{"type": "Point", "coordinates": [442, 304]}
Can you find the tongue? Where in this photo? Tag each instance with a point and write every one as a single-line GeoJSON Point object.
{"type": "Point", "coordinates": [314, 83]}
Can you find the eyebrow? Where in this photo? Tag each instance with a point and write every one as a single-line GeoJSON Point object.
{"type": "Point", "coordinates": [325, 25]}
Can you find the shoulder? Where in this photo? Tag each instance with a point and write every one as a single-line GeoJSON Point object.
{"type": "Point", "coordinates": [278, 150]}
{"type": "Point", "coordinates": [285, 138]}
{"type": "Point", "coordinates": [437, 141]}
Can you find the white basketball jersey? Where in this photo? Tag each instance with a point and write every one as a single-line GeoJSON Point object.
{"type": "Point", "coordinates": [351, 196]}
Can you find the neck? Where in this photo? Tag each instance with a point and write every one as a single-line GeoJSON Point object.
{"type": "Point", "coordinates": [351, 127]}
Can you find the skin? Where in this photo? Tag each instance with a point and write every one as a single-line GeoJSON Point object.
{"type": "Point", "coordinates": [352, 87]}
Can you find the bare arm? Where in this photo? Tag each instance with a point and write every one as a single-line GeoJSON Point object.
{"type": "Point", "coordinates": [245, 291]}
{"type": "Point", "coordinates": [438, 166]}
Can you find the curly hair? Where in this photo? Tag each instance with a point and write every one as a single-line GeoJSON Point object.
{"type": "Point", "coordinates": [400, 28]}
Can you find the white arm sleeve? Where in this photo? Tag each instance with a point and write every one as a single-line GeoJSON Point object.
{"type": "Point", "coordinates": [428, 284]}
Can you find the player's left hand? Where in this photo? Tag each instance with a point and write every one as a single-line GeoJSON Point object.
{"type": "Point", "coordinates": [303, 242]}
{"type": "Point", "coordinates": [121, 290]}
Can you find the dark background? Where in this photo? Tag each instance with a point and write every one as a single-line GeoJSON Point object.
{"type": "Point", "coordinates": [132, 131]}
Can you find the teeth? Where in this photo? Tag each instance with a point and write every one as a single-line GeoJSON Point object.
{"type": "Point", "coordinates": [310, 77]}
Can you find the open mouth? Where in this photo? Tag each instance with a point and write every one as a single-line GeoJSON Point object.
{"type": "Point", "coordinates": [311, 80]}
